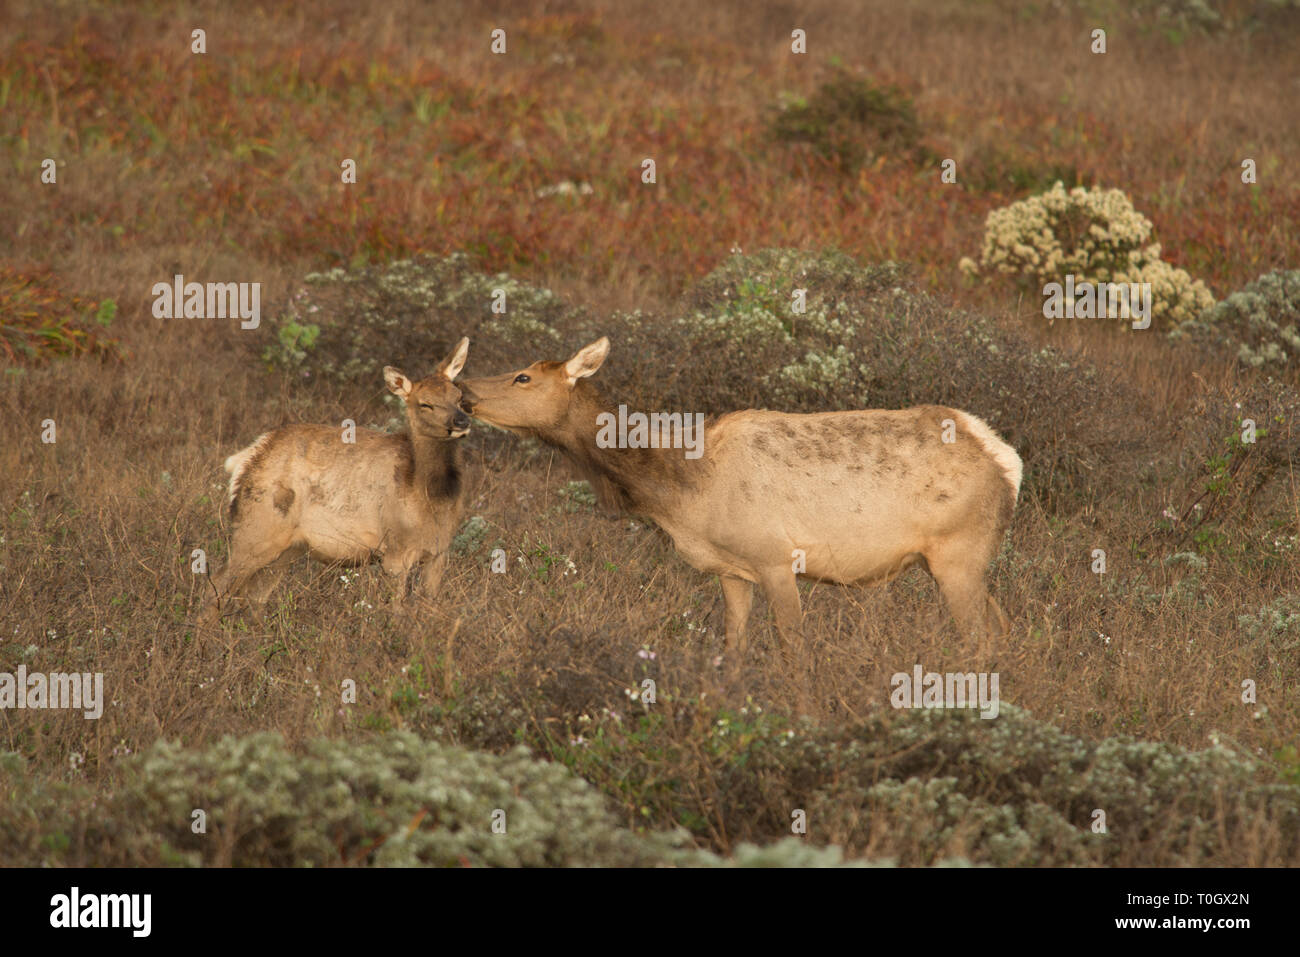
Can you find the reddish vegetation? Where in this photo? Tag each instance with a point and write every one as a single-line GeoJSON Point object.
{"type": "Point", "coordinates": [452, 143]}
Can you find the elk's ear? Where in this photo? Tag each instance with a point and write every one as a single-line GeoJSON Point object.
{"type": "Point", "coordinates": [452, 365]}
{"type": "Point", "coordinates": [398, 384]}
{"type": "Point", "coordinates": [587, 360]}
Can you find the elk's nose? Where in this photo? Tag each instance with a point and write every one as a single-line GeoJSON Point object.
{"type": "Point", "coordinates": [460, 420]}
{"type": "Point", "coordinates": [467, 399]}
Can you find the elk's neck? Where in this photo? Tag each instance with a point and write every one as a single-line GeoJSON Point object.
{"type": "Point", "coordinates": [649, 481]}
{"type": "Point", "coordinates": [435, 467]}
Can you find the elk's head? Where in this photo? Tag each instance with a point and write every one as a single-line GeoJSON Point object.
{"type": "Point", "coordinates": [533, 398]}
{"type": "Point", "coordinates": [433, 404]}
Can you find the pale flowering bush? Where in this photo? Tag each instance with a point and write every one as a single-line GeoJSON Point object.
{"type": "Point", "coordinates": [1093, 234]}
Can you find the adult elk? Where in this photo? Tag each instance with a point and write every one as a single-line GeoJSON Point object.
{"type": "Point", "coordinates": [396, 498]}
{"type": "Point", "coordinates": [847, 497]}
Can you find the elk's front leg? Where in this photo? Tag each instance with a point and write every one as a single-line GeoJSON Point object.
{"type": "Point", "coordinates": [418, 577]}
{"type": "Point", "coordinates": [737, 599]}
{"type": "Point", "coordinates": [782, 590]}
{"type": "Point", "coordinates": [429, 580]}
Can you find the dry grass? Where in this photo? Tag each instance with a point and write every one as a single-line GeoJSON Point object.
{"type": "Point", "coordinates": [226, 167]}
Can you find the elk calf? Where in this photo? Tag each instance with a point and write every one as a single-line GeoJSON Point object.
{"type": "Point", "coordinates": [847, 497]}
{"type": "Point", "coordinates": [396, 498]}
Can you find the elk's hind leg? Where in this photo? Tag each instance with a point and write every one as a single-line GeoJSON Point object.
{"type": "Point", "coordinates": [263, 583]}
{"type": "Point", "coordinates": [960, 572]}
{"type": "Point", "coordinates": [782, 590]}
{"type": "Point", "coordinates": [249, 554]}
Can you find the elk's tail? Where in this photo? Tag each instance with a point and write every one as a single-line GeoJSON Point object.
{"type": "Point", "coordinates": [1004, 455]}
{"type": "Point", "coordinates": [237, 465]}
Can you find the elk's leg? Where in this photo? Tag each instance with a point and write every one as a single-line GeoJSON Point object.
{"type": "Point", "coordinates": [961, 580]}
{"type": "Point", "coordinates": [782, 590]}
{"type": "Point", "coordinates": [428, 574]}
{"type": "Point", "coordinates": [248, 556]}
{"type": "Point", "coordinates": [261, 585]}
{"type": "Point", "coordinates": [998, 622]}
{"type": "Point", "coordinates": [737, 600]}
{"type": "Point", "coordinates": [418, 576]}
{"type": "Point", "coordinates": [403, 567]}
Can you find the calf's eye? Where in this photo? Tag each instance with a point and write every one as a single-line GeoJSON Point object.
{"type": "Point", "coordinates": [522, 377]}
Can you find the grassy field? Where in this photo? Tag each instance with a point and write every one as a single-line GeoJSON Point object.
{"type": "Point", "coordinates": [1122, 692]}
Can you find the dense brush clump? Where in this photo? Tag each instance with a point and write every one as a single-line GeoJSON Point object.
{"type": "Point", "coordinates": [1259, 324]}
{"type": "Point", "coordinates": [345, 326]}
{"type": "Point", "coordinates": [393, 801]}
{"type": "Point", "coordinates": [928, 787]}
{"type": "Point", "coordinates": [850, 120]}
{"type": "Point", "coordinates": [1243, 444]}
{"type": "Point", "coordinates": [924, 787]}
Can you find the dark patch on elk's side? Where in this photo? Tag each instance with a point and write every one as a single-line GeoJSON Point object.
{"type": "Point", "coordinates": [283, 498]}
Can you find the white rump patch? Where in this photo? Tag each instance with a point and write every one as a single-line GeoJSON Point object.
{"type": "Point", "coordinates": [1006, 457]}
{"type": "Point", "coordinates": [237, 464]}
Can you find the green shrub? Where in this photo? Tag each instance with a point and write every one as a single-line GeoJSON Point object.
{"type": "Point", "coordinates": [1259, 324]}
{"type": "Point", "coordinates": [393, 800]}
{"type": "Point", "coordinates": [1279, 619]}
{"type": "Point", "coordinates": [850, 121]}
{"type": "Point", "coordinates": [578, 496]}
{"type": "Point", "coordinates": [930, 787]}
{"type": "Point", "coordinates": [1003, 170]}
{"type": "Point", "coordinates": [1013, 790]}
{"type": "Point", "coordinates": [1238, 488]}
{"type": "Point", "coordinates": [346, 326]}
{"type": "Point", "coordinates": [293, 340]}
{"type": "Point", "coordinates": [471, 536]}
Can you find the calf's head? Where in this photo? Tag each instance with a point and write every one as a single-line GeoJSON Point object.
{"type": "Point", "coordinates": [433, 404]}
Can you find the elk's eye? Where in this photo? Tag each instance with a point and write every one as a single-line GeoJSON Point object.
{"type": "Point", "coordinates": [522, 378]}
{"type": "Point", "coordinates": [425, 405]}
